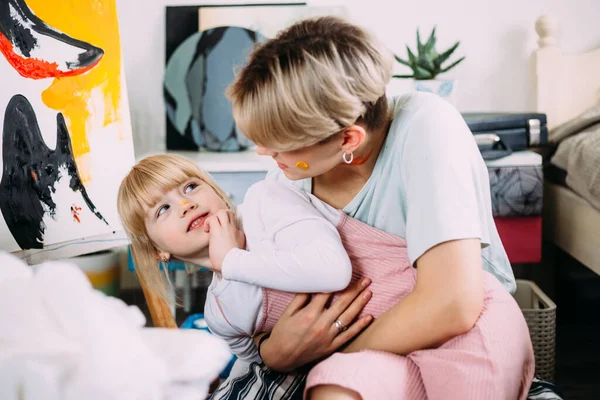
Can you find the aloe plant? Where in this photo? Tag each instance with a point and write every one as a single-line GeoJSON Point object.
{"type": "Point", "coordinates": [427, 64]}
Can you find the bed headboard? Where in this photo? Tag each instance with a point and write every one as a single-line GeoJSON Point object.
{"type": "Point", "coordinates": [567, 84]}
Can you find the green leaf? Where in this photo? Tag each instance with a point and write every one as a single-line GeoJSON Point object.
{"type": "Point", "coordinates": [426, 63]}
{"type": "Point", "coordinates": [454, 64]}
{"type": "Point", "coordinates": [430, 45]}
{"type": "Point", "coordinates": [401, 61]}
{"type": "Point", "coordinates": [411, 57]}
{"type": "Point", "coordinates": [419, 44]}
{"type": "Point", "coordinates": [445, 55]}
{"type": "Point", "coordinates": [421, 73]}
{"type": "Point", "coordinates": [402, 76]}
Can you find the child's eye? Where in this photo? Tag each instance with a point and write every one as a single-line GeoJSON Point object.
{"type": "Point", "coordinates": [190, 187]}
{"type": "Point", "coordinates": [162, 210]}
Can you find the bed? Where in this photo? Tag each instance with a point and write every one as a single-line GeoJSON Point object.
{"type": "Point", "coordinates": [567, 86]}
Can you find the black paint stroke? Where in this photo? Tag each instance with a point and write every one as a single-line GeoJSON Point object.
{"type": "Point", "coordinates": [25, 36]}
{"type": "Point", "coordinates": [30, 172]}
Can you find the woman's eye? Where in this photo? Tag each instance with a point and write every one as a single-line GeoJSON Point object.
{"type": "Point", "coordinates": [190, 187]}
{"type": "Point", "coordinates": [162, 210]}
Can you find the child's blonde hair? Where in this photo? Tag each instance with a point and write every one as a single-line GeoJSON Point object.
{"type": "Point", "coordinates": [314, 79]}
{"type": "Point", "coordinates": [140, 190]}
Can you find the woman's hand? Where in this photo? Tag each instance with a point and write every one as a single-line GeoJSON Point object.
{"type": "Point", "coordinates": [307, 331]}
{"type": "Point", "coordinates": [224, 236]}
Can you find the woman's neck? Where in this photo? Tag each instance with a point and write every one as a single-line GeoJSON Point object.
{"type": "Point", "coordinates": [341, 184]}
{"type": "Point", "coordinates": [365, 158]}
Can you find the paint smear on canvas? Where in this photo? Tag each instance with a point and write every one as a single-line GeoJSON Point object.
{"type": "Point", "coordinates": [31, 171]}
{"type": "Point", "coordinates": [94, 22]}
{"type": "Point", "coordinates": [38, 51]}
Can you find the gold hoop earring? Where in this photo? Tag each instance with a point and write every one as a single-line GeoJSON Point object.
{"type": "Point", "coordinates": [348, 161]}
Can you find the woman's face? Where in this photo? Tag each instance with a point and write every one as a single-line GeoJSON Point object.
{"type": "Point", "coordinates": [176, 223]}
{"type": "Point", "coordinates": [307, 162]}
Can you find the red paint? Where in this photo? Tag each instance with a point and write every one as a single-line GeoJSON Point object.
{"type": "Point", "coordinates": [34, 68]}
{"type": "Point", "coordinates": [75, 213]}
{"type": "Point", "coordinates": [359, 160]}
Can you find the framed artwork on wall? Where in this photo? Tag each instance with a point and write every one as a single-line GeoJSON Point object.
{"type": "Point", "coordinates": [205, 45]}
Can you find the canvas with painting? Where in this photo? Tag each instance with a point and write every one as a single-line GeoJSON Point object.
{"type": "Point", "coordinates": [66, 136]}
{"type": "Point", "coordinates": [205, 45]}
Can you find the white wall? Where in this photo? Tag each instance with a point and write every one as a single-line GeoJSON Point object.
{"type": "Point", "coordinates": [497, 37]}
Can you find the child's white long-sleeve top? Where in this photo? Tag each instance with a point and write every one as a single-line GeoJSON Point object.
{"type": "Point", "coordinates": [292, 245]}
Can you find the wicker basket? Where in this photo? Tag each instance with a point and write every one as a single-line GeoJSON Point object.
{"type": "Point", "coordinates": [540, 314]}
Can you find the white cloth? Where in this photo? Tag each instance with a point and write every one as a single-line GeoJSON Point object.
{"type": "Point", "coordinates": [60, 339]}
{"type": "Point", "coordinates": [292, 245]}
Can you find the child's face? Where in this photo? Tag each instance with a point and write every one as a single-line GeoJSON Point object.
{"type": "Point", "coordinates": [176, 223]}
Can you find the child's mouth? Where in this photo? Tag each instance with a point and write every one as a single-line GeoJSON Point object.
{"type": "Point", "coordinates": [198, 222]}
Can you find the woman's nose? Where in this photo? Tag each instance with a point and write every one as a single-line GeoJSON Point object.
{"type": "Point", "coordinates": [263, 151]}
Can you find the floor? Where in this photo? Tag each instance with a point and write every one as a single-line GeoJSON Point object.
{"type": "Point", "coordinates": [578, 330]}
{"type": "Point", "coordinates": [577, 294]}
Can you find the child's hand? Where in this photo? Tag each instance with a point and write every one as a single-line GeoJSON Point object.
{"type": "Point", "coordinates": [224, 236]}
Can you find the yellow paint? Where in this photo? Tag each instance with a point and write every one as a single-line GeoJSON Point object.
{"type": "Point", "coordinates": [95, 22]}
{"type": "Point", "coordinates": [303, 165]}
{"type": "Point", "coordinates": [104, 277]}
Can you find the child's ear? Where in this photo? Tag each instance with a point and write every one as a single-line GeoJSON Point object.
{"type": "Point", "coordinates": [162, 256]}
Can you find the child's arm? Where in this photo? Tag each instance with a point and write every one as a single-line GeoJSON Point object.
{"type": "Point", "coordinates": [231, 311]}
{"type": "Point", "coordinates": [293, 247]}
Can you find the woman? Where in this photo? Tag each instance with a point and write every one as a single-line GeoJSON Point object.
{"type": "Point", "coordinates": [314, 99]}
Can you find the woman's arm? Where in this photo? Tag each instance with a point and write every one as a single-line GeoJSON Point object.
{"type": "Point", "coordinates": [447, 212]}
{"type": "Point", "coordinates": [306, 331]}
{"type": "Point", "coordinates": [446, 302]}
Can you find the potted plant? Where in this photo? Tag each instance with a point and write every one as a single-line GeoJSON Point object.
{"type": "Point", "coordinates": [427, 64]}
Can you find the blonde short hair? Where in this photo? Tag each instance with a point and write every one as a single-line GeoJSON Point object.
{"type": "Point", "coordinates": [139, 191]}
{"type": "Point", "coordinates": [314, 79]}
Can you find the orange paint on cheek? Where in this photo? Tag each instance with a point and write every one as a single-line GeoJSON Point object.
{"type": "Point", "coordinates": [303, 165]}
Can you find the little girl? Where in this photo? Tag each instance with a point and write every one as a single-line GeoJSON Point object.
{"type": "Point", "coordinates": [293, 242]}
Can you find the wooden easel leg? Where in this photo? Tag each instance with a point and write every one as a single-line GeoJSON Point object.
{"type": "Point", "coordinates": [161, 314]}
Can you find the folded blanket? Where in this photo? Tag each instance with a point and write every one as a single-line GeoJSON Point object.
{"type": "Point", "coordinates": [576, 125]}
{"type": "Point", "coordinates": [578, 153]}
{"type": "Point", "coordinates": [61, 339]}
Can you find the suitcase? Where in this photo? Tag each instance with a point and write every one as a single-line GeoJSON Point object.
{"type": "Point", "coordinates": [516, 184]}
{"type": "Point", "coordinates": [499, 134]}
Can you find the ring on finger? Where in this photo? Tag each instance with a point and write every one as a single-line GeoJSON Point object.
{"type": "Point", "coordinates": [341, 327]}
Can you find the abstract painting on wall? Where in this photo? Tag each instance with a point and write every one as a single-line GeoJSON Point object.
{"type": "Point", "coordinates": [205, 46]}
{"type": "Point", "coordinates": [66, 136]}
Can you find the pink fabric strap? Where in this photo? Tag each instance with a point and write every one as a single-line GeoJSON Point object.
{"type": "Point", "coordinates": [374, 254]}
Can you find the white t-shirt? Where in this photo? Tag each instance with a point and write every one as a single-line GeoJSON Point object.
{"type": "Point", "coordinates": [429, 185]}
{"type": "Point", "coordinates": [292, 245]}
